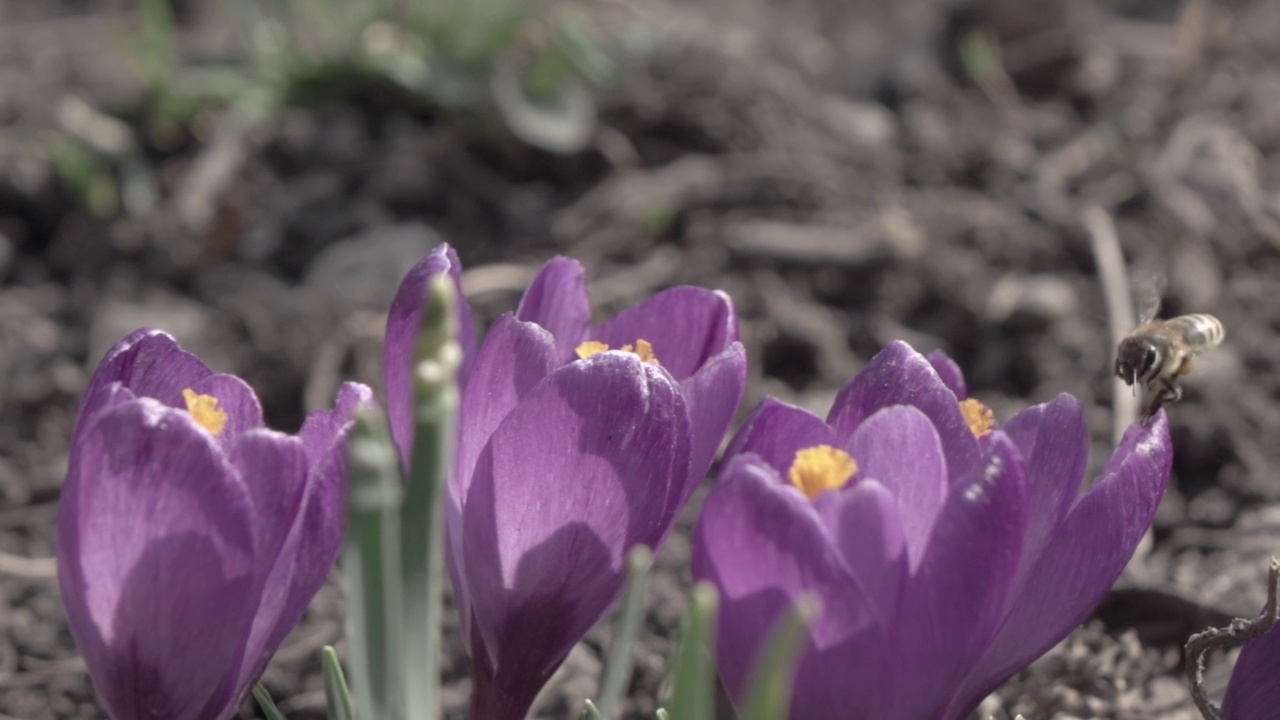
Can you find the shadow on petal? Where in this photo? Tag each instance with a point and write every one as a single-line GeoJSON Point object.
{"type": "Point", "coordinates": [180, 628]}
{"type": "Point", "coordinates": [561, 588]}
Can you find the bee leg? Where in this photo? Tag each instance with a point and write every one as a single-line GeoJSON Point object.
{"type": "Point", "coordinates": [1157, 399]}
{"type": "Point", "coordinates": [1173, 391]}
{"type": "Point", "coordinates": [1185, 367]}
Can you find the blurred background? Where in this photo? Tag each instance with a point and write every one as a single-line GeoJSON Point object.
{"type": "Point", "coordinates": [255, 176]}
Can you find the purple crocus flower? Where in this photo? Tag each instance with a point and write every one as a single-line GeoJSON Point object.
{"type": "Point", "coordinates": [947, 553]}
{"type": "Point", "coordinates": [1254, 690]}
{"type": "Point", "coordinates": [190, 537]}
{"type": "Point", "coordinates": [574, 444]}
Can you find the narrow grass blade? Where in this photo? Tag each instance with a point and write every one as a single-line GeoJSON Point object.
{"type": "Point", "coordinates": [336, 695]}
{"type": "Point", "coordinates": [265, 702]}
{"type": "Point", "coordinates": [775, 668]}
{"type": "Point", "coordinates": [422, 516]}
{"type": "Point", "coordinates": [591, 712]}
{"type": "Point", "coordinates": [371, 567]}
{"type": "Point", "coordinates": [693, 694]}
{"type": "Point", "coordinates": [617, 671]}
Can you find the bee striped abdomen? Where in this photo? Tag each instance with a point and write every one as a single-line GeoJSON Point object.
{"type": "Point", "coordinates": [1201, 332]}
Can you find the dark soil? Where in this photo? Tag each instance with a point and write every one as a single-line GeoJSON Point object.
{"type": "Point", "coordinates": [832, 165]}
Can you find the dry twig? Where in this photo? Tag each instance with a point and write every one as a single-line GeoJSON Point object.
{"type": "Point", "coordinates": [1120, 320]}
{"type": "Point", "coordinates": [1237, 632]}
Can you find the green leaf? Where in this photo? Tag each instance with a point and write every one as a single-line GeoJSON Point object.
{"type": "Point", "coordinates": [266, 703]}
{"type": "Point", "coordinates": [693, 696]}
{"type": "Point", "coordinates": [371, 566]}
{"type": "Point", "coordinates": [336, 695]}
{"type": "Point", "coordinates": [437, 360]}
{"type": "Point", "coordinates": [774, 671]}
{"type": "Point", "coordinates": [617, 670]}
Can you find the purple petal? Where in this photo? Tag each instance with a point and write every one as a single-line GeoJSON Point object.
{"type": "Point", "coordinates": [274, 468]}
{"type": "Point", "coordinates": [513, 359]}
{"type": "Point", "coordinates": [953, 602]}
{"type": "Point", "coordinates": [1254, 693]}
{"type": "Point", "coordinates": [403, 323]}
{"type": "Point", "coordinates": [866, 528]}
{"type": "Point", "coordinates": [687, 326]}
{"type": "Point", "coordinates": [776, 431]}
{"type": "Point", "coordinates": [712, 396]}
{"type": "Point", "coordinates": [899, 375]}
{"type": "Point", "coordinates": [236, 399]}
{"type": "Point", "coordinates": [156, 563]}
{"type": "Point", "coordinates": [323, 427]}
{"type": "Point", "coordinates": [949, 372]}
{"type": "Point", "coordinates": [899, 448]}
{"type": "Point", "coordinates": [304, 559]}
{"type": "Point", "coordinates": [1054, 441]}
{"type": "Point", "coordinates": [557, 300]}
{"type": "Point", "coordinates": [150, 364]}
{"type": "Point", "coordinates": [590, 463]}
{"type": "Point", "coordinates": [1081, 561]}
{"type": "Point", "coordinates": [764, 546]}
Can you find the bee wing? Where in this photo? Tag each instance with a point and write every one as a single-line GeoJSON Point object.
{"type": "Point", "coordinates": [1147, 287]}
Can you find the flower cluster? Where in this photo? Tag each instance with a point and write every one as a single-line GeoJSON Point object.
{"type": "Point", "coordinates": [946, 553]}
{"type": "Point", "coordinates": [575, 443]}
{"type": "Point", "coordinates": [946, 550]}
{"type": "Point", "coordinates": [190, 537]}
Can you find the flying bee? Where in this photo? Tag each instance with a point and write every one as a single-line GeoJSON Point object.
{"type": "Point", "coordinates": [1158, 353]}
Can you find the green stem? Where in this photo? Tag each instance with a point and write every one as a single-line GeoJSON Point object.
{"type": "Point", "coordinates": [371, 568]}
{"type": "Point", "coordinates": [422, 515]}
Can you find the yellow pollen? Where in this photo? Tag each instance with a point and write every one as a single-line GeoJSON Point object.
{"type": "Point", "coordinates": [821, 468]}
{"type": "Point", "coordinates": [204, 410]}
{"type": "Point", "coordinates": [589, 348]}
{"type": "Point", "coordinates": [642, 348]}
{"type": "Point", "coordinates": [978, 416]}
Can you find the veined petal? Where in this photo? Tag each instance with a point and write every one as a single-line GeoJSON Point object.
{"type": "Point", "coordinates": [305, 557]}
{"type": "Point", "coordinates": [952, 605]}
{"type": "Point", "coordinates": [899, 375]}
{"type": "Point", "coordinates": [514, 357]}
{"type": "Point", "coordinates": [1054, 441]}
{"type": "Point", "coordinates": [156, 562]}
{"type": "Point", "coordinates": [949, 372]}
{"type": "Point", "coordinates": [403, 323]}
{"type": "Point", "coordinates": [864, 524]}
{"type": "Point", "coordinates": [236, 399]}
{"type": "Point", "coordinates": [557, 300]}
{"type": "Point", "coordinates": [899, 447]}
{"type": "Point", "coordinates": [274, 469]}
{"type": "Point", "coordinates": [578, 472]}
{"type": "Point", "coordinates": [764, 546]}
{"type": "Point", "coordinates": [305, 533]}
{"type": "Point", "coordinates": [325, 428]}
{"type": "Point", "coordinates": [150, 364]}
{"type": "Point", "coordinates": [1080, 562]}
{"type": "Point", "coordinates": [712, 396]}
{"type": "Point", "coordinates": [1254, 693]}
{"type": "Point", "coordinates": [687, 326]}
{"type": "Point", "coordinates": [776, 431]}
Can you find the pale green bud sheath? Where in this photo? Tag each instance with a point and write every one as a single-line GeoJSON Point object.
{"type": "Point", "coordinates": [371, 567]}
{"type": "Point", "coordinates": [436, 399]}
